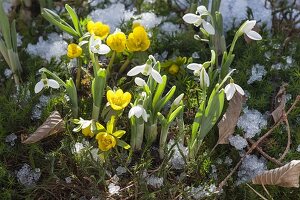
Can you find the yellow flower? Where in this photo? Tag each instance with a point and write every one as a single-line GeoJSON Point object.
{"type": "Point", "coordinates": [173, 69]}
{"type": "Point", "coordinates": [138, 40]}
{"type": "Point", "coordinates": [107, 138]}
{"type": "Point", "coordinates": [118, 100]}
{"type": "Point", "coordinates": [98, 29]}
{"type": "Point", "coordinates": [86, 127]}
{"type": "Point", "coordinates": [117, 41]}
{"type": "Point", "coordinates": [74, 50]}
{"type": "Point", "coordinates": [105, 141]}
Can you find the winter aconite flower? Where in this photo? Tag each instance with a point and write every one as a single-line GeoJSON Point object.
{"type": "Point", "coordinates": [96, 46]}
{"type": "Point", "coordinates": [197, 20]}
{"type": "Point", "coordinates": [173, 69]}
{"type": "Point", "coordinates": [146, 70]}
{"type": "Point", "coordinates": [118, 100]}
{"type": "Point", "coordinates": [200, 71]}
{"type": "Point", "coordinates": [138, 40]}
{"type": "Point", "coordinates": [247, 29]}
{"type": "Point", "coordinates": [138, 111]}
{"type": "Point", "coordinates": [231, 88]}
{"type": "Point", "coordinates": [98, 29]}
{"type": "Point", "coordinates": [108, 138]}
{"type": "Point", "coordinates": [45, 83]}
{"type": "Point", "coordinates": [117, 41]}
{"type": "Point", "coordinates": [74, 50]}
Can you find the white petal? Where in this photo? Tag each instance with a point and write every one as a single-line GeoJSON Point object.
{"type": "Point", "coordinates": [53, 83]}
{"type": "Point", "coordinates": [208, 27]}
{"type": "Point", "coordinates": [39, 86]}
{"type": "Point", "coordinates": [254, 35]}
{"type": "Point", "coordinates": [206, 78]}
{"type": "Point", "coordinates": [249, 25]}
{"type": "Point", "coordinates": [178, 99]}
{"type": "Point", "coordinates": [136, 111]}
{"type": "Point", "coordinates": [201, 9]}
{"type": "Point", "coordinates": [145, 116]}
{"type": "Point", "coordinates": [239, 89]}
{"type": "Point", "coordinates": [191, 18]}
{"type": "Point", "coordinates": [136, 70]}
{"type": "Point", "coordinates": [86, 123]}
{"type": "Point", "coordinates": [139, 81]}
{"type": "Point", "coordinates": [229, 91]}
{"type": "Point", "coordinates": [194, 66]}
{"type": "Point", "coordinates": [156, 76]}
{"type": "Point", "coordinates": [103, 49]}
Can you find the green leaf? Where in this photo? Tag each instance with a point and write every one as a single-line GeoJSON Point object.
{"type": "Point", "coordinates": [213, 112]}
{"type": "Point", "coordinates": [72, 93]}
{"type": "Point", "coordinates": [4, 26]}
{"type": "Point", "coordinates": [161, 118]}
{"type": "Point", "coordinates": [4, 52]}
{"type": "Point", "coordinates": [162, 102]}
{"type": "Point", "coordinates": [74, 18]}
{"type": "Point", "coordinates": [123, 144]}
{"type": "Point", "coordinates": [174, 114]}
{"type": "Point", "coordinates": [119, 133]}
{"type": "Point", "coordinates": [159, 91]}
{"type": "Point", "coordinates": [197, 120]}
{"type": "Point", "coordinates": [98, 86]}
{"type": "Point", "coordinates": [53, 18]}
{"type": "Point", "coordinates": [14, 36]}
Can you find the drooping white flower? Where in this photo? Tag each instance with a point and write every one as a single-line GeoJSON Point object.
{"type": "Point", "coordinates": [231, 88]}
{"type": "Point", "coordinates": [197, 20]}
{"type": "Point", "coordinates": [247, 29]}
{"type": "Point", "coordinates": [140, 82]}
{"type": "Point", "coordinates": [96, 46]}
{"type": "Point", "coordinates": [45, 83]}
{"type": "Point", "coordinates": [146, 70]}
{"type": "Point", "coordinates": [200, 71]}
{"type": "Point", "coordinates": [178, 100]}
{"type": "Point", "coordinates": [138, 111]}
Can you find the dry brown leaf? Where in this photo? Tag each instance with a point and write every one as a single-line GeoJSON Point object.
{"type": "Point", "coordinates": [280, 101]}
{"type": "Point", "coordinates": [53, 124]}
{"type": "Point", "coordinates": [230, 118]}
{"type": "Point", "coordinates": [285, 176]}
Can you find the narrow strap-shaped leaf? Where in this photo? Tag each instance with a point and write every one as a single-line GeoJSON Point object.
{"type": "Point", "coordinates": [161, 103]}
{"type": "Point", "coordinates": [5, 29]}
{"type": "Point", "coordinates": [174, 114]}
{"type": "Point", "coordinates": [4, 52]}
{"type": "Point", "coordinates": [123, 144]}
{"type": "Point", "coordinates": [74, 18]}
{"type": "Point", "coordinates": [198, 119]}
{"type": "Point", "coordinates": [159, 91]}
{"type": "Point", "coordinates": [72, 92]}
{"type": "Point", "coordinates": [14, 36]}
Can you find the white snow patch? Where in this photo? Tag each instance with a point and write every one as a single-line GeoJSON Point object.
{"type": "Point", "coordinates": [257, 72]}
{"type": "Point", "coordinates": [113, 188]}
{"type": "Point", "coordinates": [155, 181]}
{"type": "Point", "coordinates": [148, 19]}
{"type": "Point", "coordinates": [201, 191]}
{"type": "Point", "coordinates": [53, 47]}
{"type": "Point", "coordinates": [121, 170]}
{"type": "Point", "coordinates": [11, 139]}
{"type": "Point", "coordinates": [177, 161]}
{"type": "Point", "coordinates": [7, 73]}
{"type": "Point", "coordinates": [28, 176]}
{"type": "Point", "coordinates": [238, 142]}
{"type": "Point", "coordinates": [170, 28]}
{"type": "Point", "coordinates": [252, 121]}
{"type": "Point", "coordinates": [298, 148]}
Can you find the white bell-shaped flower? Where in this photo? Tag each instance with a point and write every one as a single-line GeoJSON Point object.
{"type": "Point", "coordinates": [140, 82]}
{"type": "Point", "coordinates": [146, 70]}
{"type": "Point", "coordinates": [138, 111]}
{"type": "Point", "coordinates": [45, 83]}
{"type": "Point", "coordinates": [247, 29]}
{"type": "Point", "coordinates": [231, 88]}
{"type": "Point", "coordinates": [200, 71]}
{"type": "Point", "coordinates": [96, 46]}
{"type": "Point", "coordinates": [197, 20]}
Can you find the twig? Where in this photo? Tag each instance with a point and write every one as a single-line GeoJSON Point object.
{"type": "Point", "coordinates": [264, 154]}
{"type": "Point", "coordinates": [258, 142]}
{"type": "Point", "coordinates": [289, 140]}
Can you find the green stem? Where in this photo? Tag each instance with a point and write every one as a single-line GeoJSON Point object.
{"type": "Point", "coordinates": [78, 75]}
{"type": "Point", "coordinates": [125, 65]}
{"type": "Point", "coordinates": [109, 67]}
{"type": "Point", "coordinates": [163, 139]}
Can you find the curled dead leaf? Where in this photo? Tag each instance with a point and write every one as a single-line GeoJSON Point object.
{"type": "Point", "coordinates": [285, 176]}
{"type": "Point", "coordinates": [230, 118]}
{"type": "Point", "coordinates": [53, 124]}
{"type": "Point", "coordinates": [280, 101]}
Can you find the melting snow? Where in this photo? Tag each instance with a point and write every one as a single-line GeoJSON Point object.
{"type": "Point", "coordinates": [238, 142]}
{"type": "Point", "coordinates": [177, 161]}
{"type": "Point", "coordinates": [27, 176]}
{"type": "Point", "coordinates": [11, 139]}
{"type": "Point", "coordinates": [257, 72]}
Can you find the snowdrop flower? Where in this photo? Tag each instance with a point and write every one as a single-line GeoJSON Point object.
{"type": "Point", "coordinates": [178, 100]}
{"type": "Point", "coordinates": [45, 83]}
{"type": "Point", "coordinates": [138, 111]}
{"type": "Point", "coordinates": [140, 82]}
{"type": "Point", "coordinates": [146, 70]}
{"type": "Point", "coordinates": [96, 46]}
{"type": "Point", "coordinates": [200, 71]}
{"type": "Point", "coordinates": [231, 88]}
{"type": "Point", "coordinates": [247, 29]}
{"type": "Point", "coordinates": [197, 20]}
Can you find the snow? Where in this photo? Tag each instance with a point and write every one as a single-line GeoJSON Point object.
{"type": "Point", "coordinates": [201, 191]}
{"type": "Point", "coordinates": [251, 167]}
{"type": "Point", "coordinates": [234, 12]}
{"type": "Point", "coordinates": [11, 139]}
{"type": "Point", "coordinates": [28, 176]}
{"type": "Point", "coordinates": [78, 147]}
{"type": "Point", "coordinates": [7, 73]}
{"type": "Point", "coordinates": [7, 6]}
{"type": "Point", "coordinates": [195, 55]}
{"type": "Point", "coordinates": [68, 179]}
{"type": "Point", "coordinates": [177, 161]}
{"type": "Point", "coordinates": [298, 148]}
{"type": "Point", "coordinates": [170, 28]}
{"type": "Point", "coordinates": [121, 170]}
{"type": "Point", "coordinates": [53, 47]}
{"type": "Point", "coordinates": [252, 121]}
{"type": "Point", "coordinates": [37, 109]}
{"type": "Point", "coordinates": [228, 160]}
{"type": "Point", "coordinates": [113, 188]}
{"type": "Point", "coordinates": [154, 181]}
{"type": "Point", "coordinates": [238, 142]}
{"type": "Point", "coordinates": [148, 19]}
{"type": "Point", "coordinates": [257, 72]}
